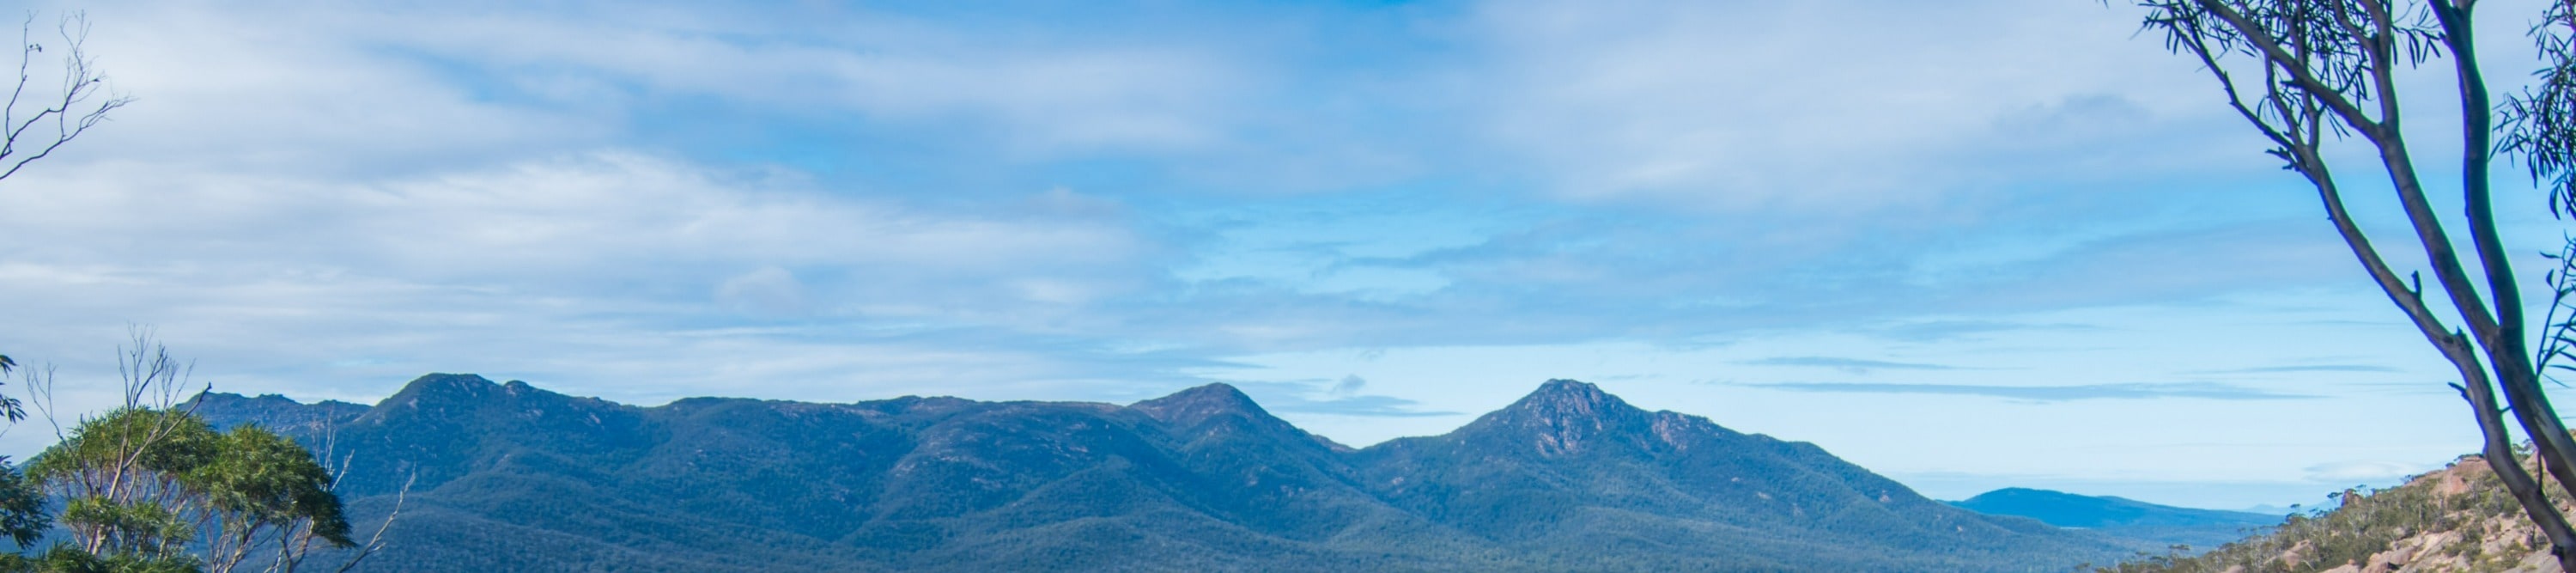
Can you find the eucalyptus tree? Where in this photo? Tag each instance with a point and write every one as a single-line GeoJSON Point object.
{"type": "Point", "coordinates": [2307, 73]}
{"type": "Point", "coordinates": [149, 486]}
{"type": "Point", "coordinates": [160, 485]}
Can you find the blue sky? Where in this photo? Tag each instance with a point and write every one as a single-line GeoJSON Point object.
{"type": "Point", "coordinates": [1966, 244]}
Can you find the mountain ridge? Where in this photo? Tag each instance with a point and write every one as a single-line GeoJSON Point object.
{"type": "Point", "coordinates": [2200, 529]}
{"type": "Point", "coordinates": [1568, 477]}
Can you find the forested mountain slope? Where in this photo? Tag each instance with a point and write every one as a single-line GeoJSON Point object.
{"type": "Point", "coordinates": [511, 477]}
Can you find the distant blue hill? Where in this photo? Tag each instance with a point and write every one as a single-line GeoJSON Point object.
{"type": "Point", "coordinates": [2122, 517]}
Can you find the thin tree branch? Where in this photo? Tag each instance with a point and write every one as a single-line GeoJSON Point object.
{"type": "Point", "coordinates": [70, 115]}
{"type": "Point", "coordinates": [2270, 49]}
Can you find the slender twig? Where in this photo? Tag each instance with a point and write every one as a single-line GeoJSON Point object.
{"type": "Point", "coordinates": [69, 115]}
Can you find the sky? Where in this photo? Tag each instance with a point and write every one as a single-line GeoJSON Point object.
{"type": "Point", "coordinates": [1967, 245]}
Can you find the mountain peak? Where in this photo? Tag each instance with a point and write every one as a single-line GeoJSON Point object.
{"type": "Point", "coordinates": [437, 391]}
{"type": "Point", "coordinates": [1562, 399]}
{"type": "Point", "coordinates": [447, 386]}
{"type": "Point", "coordinates": [442, 379]}
{"type": "Point", "coordinates": [1197, 405]}
{"type": "Point", "coordinates": [1568, 386]}
{"type": "Point", "coordinates": [1564, 417]}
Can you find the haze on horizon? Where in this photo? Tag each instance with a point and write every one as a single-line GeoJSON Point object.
{"type": "Point", "coordinates": [1966, 245]}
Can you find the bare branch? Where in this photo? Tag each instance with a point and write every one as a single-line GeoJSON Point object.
{"type": "Point", "coordinates": [376, 542]}
{"type": "Point", "coordinates": [82, 102]}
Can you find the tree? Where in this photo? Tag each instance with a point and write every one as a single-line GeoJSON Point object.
{"type": "Point", "coordinates": [149, 486]}
{"type": "Point", "coordinates": [161, 486]}
{"type": "Point", "coordinates": [2306, 73]}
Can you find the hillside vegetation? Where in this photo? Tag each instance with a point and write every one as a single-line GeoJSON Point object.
{"type": "Point", "coordinates": [2459, 519]}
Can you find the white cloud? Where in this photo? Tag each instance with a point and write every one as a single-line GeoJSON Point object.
{"type": "Point", "coordinates": [328, 199]}
{"type": "Point", "coordinates": [575, 271]}
{"type": "Point", "coordinates": [769, 290]}
{"type": "Point", "coordinates": [2364, 471]}
{"type": "Point", "coordinates": [1827, 105]}
{"type": "Point", "coordinates": [1044, 98]}
{"type": "Point", "coordinates": [613, 216]}
{"type": "Point", "coordinates": [334, 87]}
{"type": "Point", "coordinates": [291, 88]}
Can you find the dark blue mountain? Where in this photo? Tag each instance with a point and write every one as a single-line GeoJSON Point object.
{"type": "Point", "coordinates": [510, 477]}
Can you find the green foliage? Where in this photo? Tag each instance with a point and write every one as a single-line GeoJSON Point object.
{"type": "Point", "coordinates": [2540, 122]}
{"type": "Point", "coordinates": [122, 476]}
{"type": "Point", "coordinates": [259, 477]}
{"type": "Point", "coordinates": [108, 449]}
{"type": "Point", "coordinates": [135, 527]}
{"type": "Point", "coordinates": [145, 489]}
{"type": "Point", "coordinates": [67, 558]}
{"type": "Point", "coordinates": [22, 506]}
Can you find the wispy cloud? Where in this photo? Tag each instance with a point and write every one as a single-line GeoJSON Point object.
{"type": "Point", "coordinates": [1852, 365]}
{"type": "Point", "coordinates": [2305, 368]}
{"type": "Point", "coordinates": [2365, 471]}
{"type": "Point", "coordinates": [648, 200]}
{"type": "Point", "coordinates": [595, 199]}
{"type": "Point", "coordinates": [1337, 398]}
{"type": "Point", "coordinates": [1603, 97]}
{"type": "Point", "coordinates": [2130, 391]}
{"type": "Point", "coordinates": [1949, 329]}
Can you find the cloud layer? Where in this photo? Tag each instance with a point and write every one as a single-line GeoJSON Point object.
{"type": "Point", "coordinates": [1113, 201]}
{"type": "Point", "coordinates": [2131, 391]}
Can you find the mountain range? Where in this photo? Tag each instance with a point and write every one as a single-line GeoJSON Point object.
{"type": "Point", "coordinates": [506, 476]}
